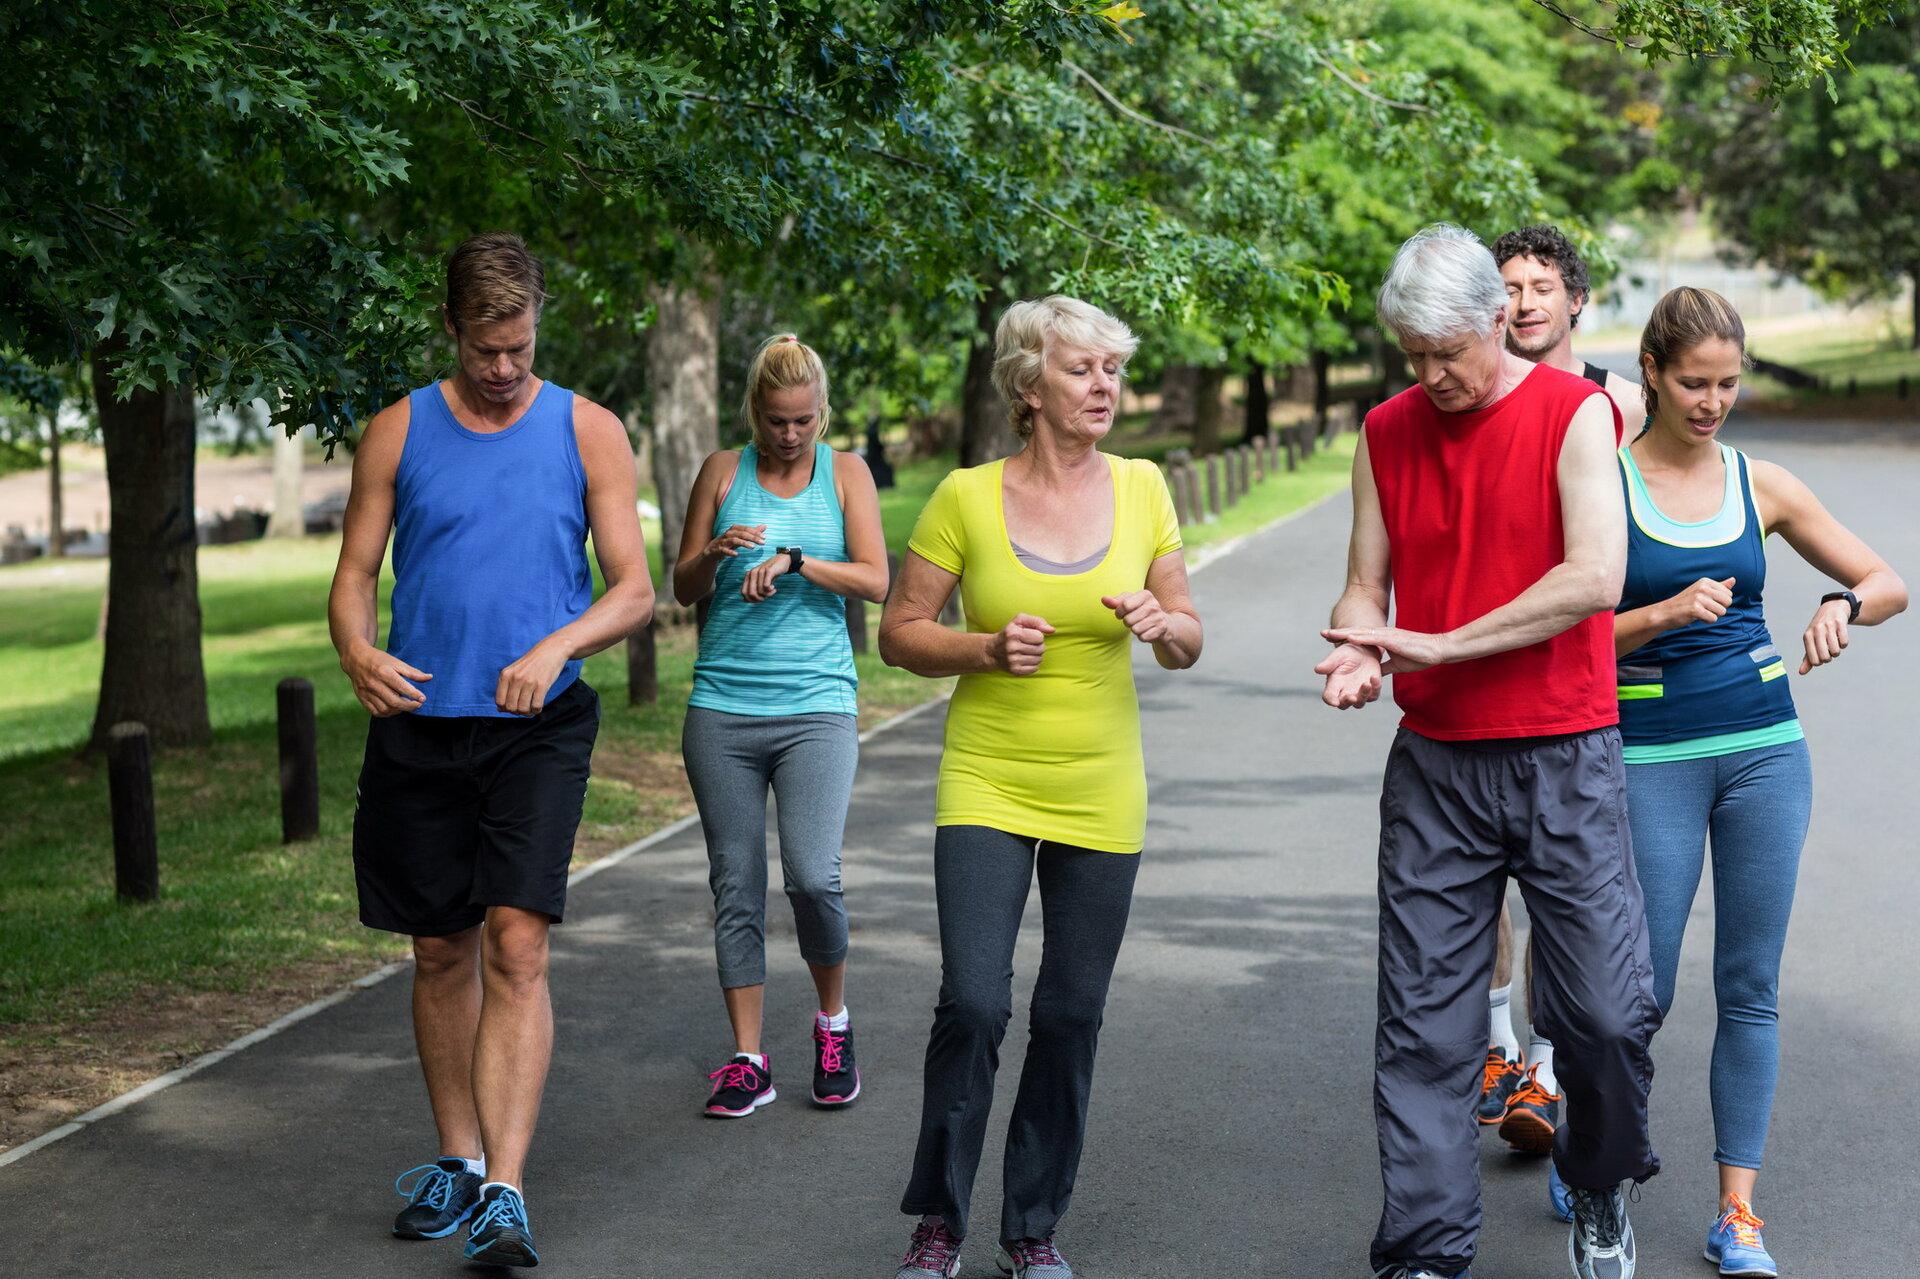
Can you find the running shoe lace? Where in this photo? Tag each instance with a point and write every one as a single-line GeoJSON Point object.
{"type": "Point", "coordinates": [1496, 1067]}
{"type": "Point", "coordinates": [933, 1247]}
{"type": "Point", "coordinates": [735, 1074]}
{"type": "Point", "coordinates": [830, 1048]}
{"type": "Point", "coordinates": [433, 1189]}
{"type": "Point", "coordinates": [1036, 1252]}
{"type": "Point", "coordinates": [1740, 1220]}
{"type": "Point", "coordinates": [1600, 1216]}
{"type": "Point", "coordinates": [505, 1210]}
{"type": "Point", "coordinates": [1530, 1092]}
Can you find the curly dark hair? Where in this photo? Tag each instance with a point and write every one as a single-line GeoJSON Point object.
{"type": "Point", "coordinates": [1545, 243]}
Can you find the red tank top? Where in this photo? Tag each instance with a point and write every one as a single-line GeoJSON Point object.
{"type": "Point", "coordinates": [1472, 508]}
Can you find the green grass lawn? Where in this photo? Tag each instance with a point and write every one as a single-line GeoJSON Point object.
{"type": "Point", "coordinates": [238, 910]}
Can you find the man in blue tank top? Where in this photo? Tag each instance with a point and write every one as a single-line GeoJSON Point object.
{"type": "Point", "coordinates": [482, 734]}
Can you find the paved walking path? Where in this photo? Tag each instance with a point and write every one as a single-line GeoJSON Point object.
{"type": "Point", "coordinates": [1232, 1129]}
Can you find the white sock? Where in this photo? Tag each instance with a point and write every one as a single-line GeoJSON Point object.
{"type": "Point", "coordinates": [837, 1021]}
{"type": "Point", "coordinates": [758, 1059]}
{"type": "Point", "coordinates": [1540, 1058]}
{"type": "Point", "coordinates": [504, 1185]}
{"type": "Point", "coordinates": [1500, 1022]}
{"type": "Point", "coordinates": [478, 1167]}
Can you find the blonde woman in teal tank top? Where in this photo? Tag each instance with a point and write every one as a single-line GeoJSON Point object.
{"type": "Point", "coordinates": [778, 535]}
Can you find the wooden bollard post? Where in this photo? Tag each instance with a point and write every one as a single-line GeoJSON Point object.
{"type": "Point", "coordinates": [136, 849]}
{"type": "Point", "coordinates": [643, 666]}
{"type": "Point", "coordinates": [1190, 476]}
{"type": "Point", "coordinates": [1181, 511]}
{"type": "Point", "coordinates": [857, 623]}
{"type": "Point", "coordinates": [1213, 485]}
{"type": "Point", "coordinates": [1243, 458]}
{"type": "Point", "coordinates": [299, 763]}
{"type": "Point", "coordinates": [1258, 452]}
{"type": "Point", "coordinates": [1292, 439]}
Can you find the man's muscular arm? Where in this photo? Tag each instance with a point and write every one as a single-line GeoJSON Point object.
{"type": "Point", "coordinates": [384, 685]}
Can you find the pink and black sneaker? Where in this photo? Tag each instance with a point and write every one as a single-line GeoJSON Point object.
{"type": "Point", "coordinates": [1032, 1259]}
{"type": "Point", "coordinates": [836, 1080]}
{"type": "Point", "coordinates": [740, 1088]}
{"type": "Point", "coordinates": [933, 1252]}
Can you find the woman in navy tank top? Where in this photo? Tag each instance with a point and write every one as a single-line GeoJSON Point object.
{"type": "Point", "coordinates": [778, 534]}
{"type": "Point", "coordinates": [1710, 739]}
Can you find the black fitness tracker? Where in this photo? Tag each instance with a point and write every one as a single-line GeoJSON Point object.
{"type": "Point", "coordinates": [1853, 603]}
{"type": "Point", "coordinates": [799, 559]}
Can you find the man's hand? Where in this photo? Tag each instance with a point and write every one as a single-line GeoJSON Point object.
{"type": "Point", "coordinates": [1353, 677]}
{"type": "Point", "coordinates": [758, 584]}
{"type": "Point", "coordinates": [380, 681]}
{"type": "Point", "coordinates": [523, 685]}
{"type": "Point", "coordinates": [1017, 647]}
{"type": "Point", "coordinates": [1407, 651]}
{"type": "Point", "coordinates": [1705, 601]}
{"type": "Point", "coordinates": [1141, 613]}
{"type": "Point", "coordinates": [1826, 634]}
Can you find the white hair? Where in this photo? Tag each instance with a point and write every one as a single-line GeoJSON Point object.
{"type": "Point", "coordinates": [1443, 284]}
{"type": "Point", "coordinates": [1021, 339]}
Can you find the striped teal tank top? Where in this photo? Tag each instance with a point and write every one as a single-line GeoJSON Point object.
{"type": "Point", "coordinates": [788, 655]}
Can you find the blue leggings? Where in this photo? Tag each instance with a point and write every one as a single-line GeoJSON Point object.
{"type": "Point", "coordinates": [1755, 804]}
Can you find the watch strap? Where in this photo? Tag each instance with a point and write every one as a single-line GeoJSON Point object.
{"type": "Point", "coordinates": [1853, 603]}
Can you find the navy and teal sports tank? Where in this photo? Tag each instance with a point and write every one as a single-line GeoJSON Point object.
{"type": "Point", "coordinates": [1707, 688]}
{"type": "Point", "coordinates": [788, 655]}
{"type": "Point", "coordinates": [489, 547]}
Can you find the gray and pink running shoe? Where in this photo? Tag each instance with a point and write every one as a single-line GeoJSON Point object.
{"type": "Point", "coordinates": [1032, 1259]}
{"type": "Point", "coordinates": [933, 1253]}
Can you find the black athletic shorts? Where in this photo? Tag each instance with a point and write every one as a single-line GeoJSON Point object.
{"type": "Point", "coordinates": [458, 813]}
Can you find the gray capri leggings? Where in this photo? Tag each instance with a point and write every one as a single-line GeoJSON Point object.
{"type": "Point", "coordinates": [809, 761]}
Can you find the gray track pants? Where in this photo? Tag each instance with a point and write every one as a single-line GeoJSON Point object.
{"type": "Point", "coordinates": [809, 761]}
{"type": "Point", "coordinates": [1456, 819]}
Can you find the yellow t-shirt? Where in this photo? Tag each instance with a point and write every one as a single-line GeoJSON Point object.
{"type": "Point", "coordinates": [1054, 755]}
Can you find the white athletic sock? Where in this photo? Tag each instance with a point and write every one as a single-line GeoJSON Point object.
{"type": "Point", "coordinates": [504, 1185]}
{"type": "Point", "coordinates": [838, 1021]}
{"type": "Point", "coordinates": [478, 1167]}
{"type": "Point", "coordinates": [1540, 1057]}
{"type": "Point", "coordinates": [1500, 1022]}
{"type": "Point", "coordinates": [758, 1059]}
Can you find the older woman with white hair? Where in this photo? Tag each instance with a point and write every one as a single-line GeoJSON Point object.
{"type": "Point", "coordinates": [1063, 555]}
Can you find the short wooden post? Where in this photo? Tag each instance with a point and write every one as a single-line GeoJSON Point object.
{"type": "Point", "coordinates": [1259, 453]}
{"type": "Point", "coordinates": [643, 666]}
{"type": "Point", "coordinates": [1213, 485]}
{"type": "Point", "coordinates": [1292, 438]}
{"type": "Point", "coordinates": [857, 623]}
{"type": "Point", "coordinates": [1181, 512]}
{"type": "Point", "coordinates": [299, 762]}
{"type": "Point", "coordinates": [1853, 386]}
{"type": "Point", "coordinates": [136, 850]}
{"type": "Point", "coordinates": [1903, 386]}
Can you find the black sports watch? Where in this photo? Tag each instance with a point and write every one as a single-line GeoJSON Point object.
{"type": "Point", "coordinates": [799, 559]}
{"type": "Point", "coordinates": [1853, 603]}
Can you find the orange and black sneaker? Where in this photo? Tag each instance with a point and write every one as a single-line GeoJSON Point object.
{"type": "Point", "coordinates": [1532, 1115]}
{"type": "Point", "coordinates": [1502, 1079]}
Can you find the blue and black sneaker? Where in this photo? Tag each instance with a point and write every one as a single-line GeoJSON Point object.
{"type": "Point", "coordinates": [499, 1235]}
{"type": "Point", "coordinates": [1502, 1079]}
{"type": "Point", "coordinates": [443, 1195]}
{"type": "Point", "coordinates": [1533, 1114]}
{"type": "Point", "coordinates": [1734, 1243]}
{"type": "Point", "coordinates": [1557, 1194]}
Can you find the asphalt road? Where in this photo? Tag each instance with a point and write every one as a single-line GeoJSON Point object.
{"type": "Point", "coordinates": [1232, 1131]}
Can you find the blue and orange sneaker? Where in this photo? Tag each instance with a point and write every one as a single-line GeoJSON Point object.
{"type": "Point", "coordinates": [1734, 1243]}
{"type": "Point", "coordinates": [499, 1234]}
{"type": "Point", "coordinates": [1532, 1115]}
{"type": "Point", "coordinates": [740, 1088]}
{"type": "Point", "coordinates": [836, 1079]}
{"type": "Point", "coordinates": [1497, 1087]}
{"type": "Point", "coordinates": [443, 1195]}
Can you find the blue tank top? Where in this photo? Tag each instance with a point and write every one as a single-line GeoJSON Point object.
{"type": "Point", "coordinates": [788, 655]}
{"type": "Point", "coordinates": [489, 547]}
{"type": "Point", "coordinates": [1707, 688]}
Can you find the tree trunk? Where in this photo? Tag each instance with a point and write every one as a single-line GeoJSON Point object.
{"type": "Point", "coordinates": [152, 673]}
{"type": "Point", "coordinates": [683, 368]}
{"type": "Point", "coordinates": [289, 512]}
{"type": "Point", "coordinates": [56, 500]}
{"type": "Point", "coordinates": [1206, 409]}
{"type": "Point", "coordinates": [1258, 404]}
{"type": "Point", "coordinates": [1175, 414]}
{"type": "Point", "coordinates": [984, 430]}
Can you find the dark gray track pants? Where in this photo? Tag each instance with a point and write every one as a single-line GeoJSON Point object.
{"type": "Point", "coordinates": [1456, 819]}
{"type": "Point", "coordinates": [982, 878]}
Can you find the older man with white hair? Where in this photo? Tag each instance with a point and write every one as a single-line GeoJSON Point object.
{"type": "Point", "coordinates": [1487, 509]}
